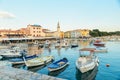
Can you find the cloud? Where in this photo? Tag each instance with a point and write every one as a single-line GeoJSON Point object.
{"type": "Point", "coordinates": [7, 15]}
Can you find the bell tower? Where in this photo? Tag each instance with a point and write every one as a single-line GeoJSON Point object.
{"type": "Point", "coordinates": [58, 27]}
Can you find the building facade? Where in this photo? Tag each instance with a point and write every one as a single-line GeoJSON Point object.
{"type": "Point", "coordinates": [35, 31]}
{"type": "Point", "coordinates": [8, 33]}
{"type": "Point", "coordinates": [79, 33]}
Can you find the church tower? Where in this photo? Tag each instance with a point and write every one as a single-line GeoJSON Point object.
{"type": "Point", "coordinates": [58, 27]}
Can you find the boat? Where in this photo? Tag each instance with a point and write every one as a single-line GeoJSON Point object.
{"type": "Point", "coordinates": [90, 75]}
{"type": "Point", "coordinates": [74, 45]}
{"type": "Point", "coordinates": [7, 53]}
{"type": "Point", "coordinates": [57, 45]}
{"type": "Point", "coordinates": [58, 64]}
{"type": "Point", "coordinates": [21, 60]}
{"type": "Point", "coordinates": [40, 45]}
{"type": "Point", "coordinates": [65, 44]}
{"type": "Point", "coordinates": [101, 50]}
{"type": "Point", "coordinates": [99, 43]}
{"type": "Point", "coordinates": [87, 62]}
{"type": "Point", "coordinates": [47, 44]}
{"type": "Point", "coordinates": [56, 73]}
{"type": "Point", "coordinates": [38, 61]}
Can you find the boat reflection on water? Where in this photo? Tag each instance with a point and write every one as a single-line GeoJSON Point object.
{"type": "Point", "coordinates": [55, 73]}
{"type": "Point", "coordinates": [18, 66]}
{"type": "Point", "coordinates": [90, 75]}
{"type": "Point", "coordinates": [35, 69]}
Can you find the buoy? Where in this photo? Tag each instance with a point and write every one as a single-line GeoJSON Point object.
{"type": "Point", "coordinates": [107, 65]}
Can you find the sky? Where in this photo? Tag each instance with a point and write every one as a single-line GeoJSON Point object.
{"type": "Point", "coordinates": [71, 14]}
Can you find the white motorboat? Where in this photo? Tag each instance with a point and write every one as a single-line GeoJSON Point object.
{"type": "Point", "coordinates": [7, 53]}
{"type": "Point", "coordinates": [87, 62]}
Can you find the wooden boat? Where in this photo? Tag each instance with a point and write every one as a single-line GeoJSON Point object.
{"type": "Point", "coordinates": [58, 64]}
{"type": "Point", "coordinates": [38, 61]}
{"type": "Point", "coordinates": [21, 60]}
{"type": "Point", "coordinates": [87, 62]}
{"type": "Point", "coordinates": [57, 72]}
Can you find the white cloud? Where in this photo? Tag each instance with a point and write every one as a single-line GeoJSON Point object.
{"type": "Point", "coordinates": [8, 15]}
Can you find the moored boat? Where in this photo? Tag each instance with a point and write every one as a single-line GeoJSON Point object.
{"type": "Point", "coordinates": [21, 60]}
{"type": "Point", "coordinates": [10, 53]}
{"type": "Point", "coordinates": [58, 64]}
{"type": "Point", "coordinates": [99, 43]}
{"type": "Point", "coordinates": [87, 62]}
{"type": "Point", "coordinates": [38, 61]}
{"type": "Point", "coordinates": [74, 45]}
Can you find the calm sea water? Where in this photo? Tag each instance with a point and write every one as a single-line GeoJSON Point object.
{"type": "Point", "coordinates": [70, 72]}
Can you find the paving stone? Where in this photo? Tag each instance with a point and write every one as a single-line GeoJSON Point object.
{"type": "Point", "coordinates": [9, 73]}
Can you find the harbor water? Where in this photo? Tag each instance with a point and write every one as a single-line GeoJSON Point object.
{"type": "Point", "coordinates": [70, 72]}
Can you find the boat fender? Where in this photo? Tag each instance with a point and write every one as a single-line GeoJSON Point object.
{"type": "Point", "coordinates": [107, 65]}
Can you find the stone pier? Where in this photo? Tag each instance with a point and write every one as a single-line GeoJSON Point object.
{"type": "Point", "coordinates": [10, 73]}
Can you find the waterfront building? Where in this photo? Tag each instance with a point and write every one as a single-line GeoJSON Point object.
{"type": "Point", "coordinates": [85, 33]}
{"type": "Point", "coordinates": [35, 31]}
{"type": "Point", "coordinates": [75, 34]}
{"type": "Point", "coordinates": [79, 33]}
{"type": "Point", "coordinates": [67, 34]}
{"type": "Point", "coordinates": [8, 33]}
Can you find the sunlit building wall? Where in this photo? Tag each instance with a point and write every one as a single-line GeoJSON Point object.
{"type": "Point", "coordinates": [35, 31]}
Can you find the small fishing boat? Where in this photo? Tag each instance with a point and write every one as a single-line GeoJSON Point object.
{"type": "Point", "coordinates": [87, 62]}
{"type": "Point", "coordinates": [38, 61]}
{"type": "Point", "coordinates": [57, 72]}
{"type": "Point", "coordinates": [58, 64]}
{"type": "Point", "coordinates": [21, 60]}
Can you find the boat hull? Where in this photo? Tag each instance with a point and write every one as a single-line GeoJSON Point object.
{"type": "Point", "coordinates": [97, 44]}
{"type": "Point", "coordinates": [55, 69]}
{"type": "Point", "coordinates": [38, 61]}
{"type": "Point", "coordinates": [87, 67]}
